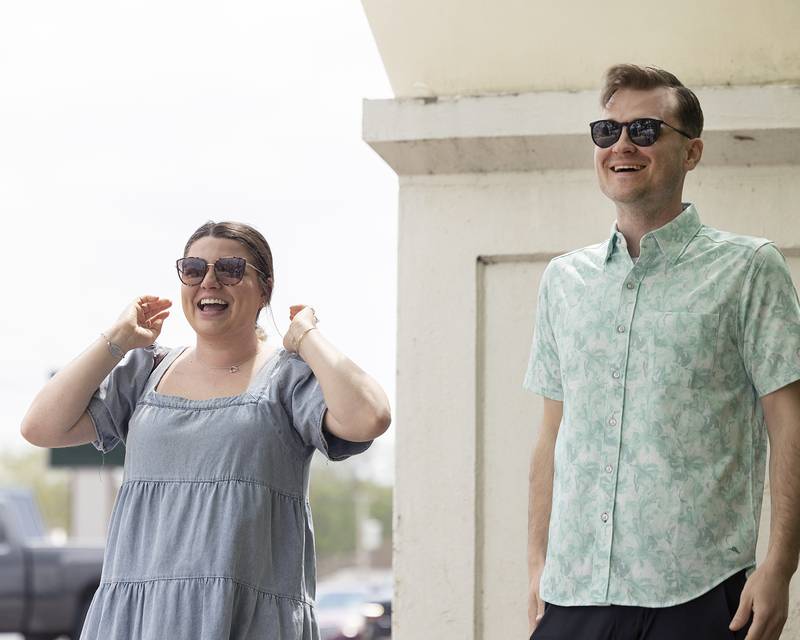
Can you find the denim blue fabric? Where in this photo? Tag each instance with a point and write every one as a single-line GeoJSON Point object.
{"type": "Point", "coordinates": [211, 536]}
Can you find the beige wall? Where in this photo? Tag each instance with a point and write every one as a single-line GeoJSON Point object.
{"type": "Point", "coordinates": [468, 47]}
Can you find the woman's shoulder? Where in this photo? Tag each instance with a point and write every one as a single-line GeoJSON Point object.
{"type": "Point", "coordinates": [292, 363]}
{"type": "Point", "coordinates": [159, 351]}
{"type": "Point", "coordinates": [285, 370]}
{"type": "Point", "coordinates": [148, 357]}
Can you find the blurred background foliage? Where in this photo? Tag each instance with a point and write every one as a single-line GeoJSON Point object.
{"type": "Point", "coordinates": [333, 504]}
{"type": "Point", "coordinates": [51, 487]}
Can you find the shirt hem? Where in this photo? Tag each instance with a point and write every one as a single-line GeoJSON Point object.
{"type": "Point", "coordinates": [647, 605]}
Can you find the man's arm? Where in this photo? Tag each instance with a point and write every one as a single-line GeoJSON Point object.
{"type": "Point", "coordinates": [540, 498]}
{"type": "Point", "coordinates": [766, 592]}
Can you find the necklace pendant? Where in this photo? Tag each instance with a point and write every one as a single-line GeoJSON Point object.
{"type": "Point", "coordinates": [234, 369]}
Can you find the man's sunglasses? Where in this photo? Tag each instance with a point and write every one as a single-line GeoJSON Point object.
{"type": "Point", "coordinates": [228, 271]}
{"type": "Point", "coordinates": [642, 132]}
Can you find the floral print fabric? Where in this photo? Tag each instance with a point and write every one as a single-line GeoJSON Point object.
{"type": "Point", "coordinates": [660, 364]}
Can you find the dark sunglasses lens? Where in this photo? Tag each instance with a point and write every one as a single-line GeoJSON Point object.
{"type": "Point", "coordinates": [605, 133]}
{"type": "Point", "coordinates": [644, 132]}
{"type": "Point", "coordinates": [229, 270]}
{"type": "Point", "coordinates": [192, 270]}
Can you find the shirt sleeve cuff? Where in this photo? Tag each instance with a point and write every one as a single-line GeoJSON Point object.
{"type": "Point", "coordinates": [103, 427]}
{"type": "Point", "coordinates": [778, 383]}
{"type": "Point", "coordinates": [335, 448]}
{"type": "Point", "coordinates": [543, 390]}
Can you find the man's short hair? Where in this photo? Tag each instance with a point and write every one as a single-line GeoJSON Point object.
{"type": "Point", "coordinates": [631, 76]}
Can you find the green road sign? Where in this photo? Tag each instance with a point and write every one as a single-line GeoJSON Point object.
{"type": "Point", "coordinates": [86, 456]}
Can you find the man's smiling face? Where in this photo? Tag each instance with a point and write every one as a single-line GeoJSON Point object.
{"type": "Point", "coordinates": [645, 176]}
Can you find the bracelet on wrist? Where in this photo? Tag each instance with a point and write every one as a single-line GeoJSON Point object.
{"type": "Point", "coordinates": [300, 339]}
{"type": "Point", "coordinates": [113, 348]}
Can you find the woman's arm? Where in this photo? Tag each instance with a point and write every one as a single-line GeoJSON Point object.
{"type": "Point", "coordinates": [57, 416]}
{"type": "Point", "coordinates": [358, 409]}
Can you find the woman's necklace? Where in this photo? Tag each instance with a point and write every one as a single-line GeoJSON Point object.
{"type": "Point", "coordinates": [233, 368]}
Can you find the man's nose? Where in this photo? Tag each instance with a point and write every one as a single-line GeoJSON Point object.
{"type": "Point", "coordinates": [623, 143]}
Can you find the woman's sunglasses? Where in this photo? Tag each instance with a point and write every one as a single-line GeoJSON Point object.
{"type": "Point", "coordinates": [643, 132]}
{"type": "Point", "coordinates": [228, 271]}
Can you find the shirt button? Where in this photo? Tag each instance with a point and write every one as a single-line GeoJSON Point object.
{"type": "Point", "coordinates": [609, 468]}
{"type": "Point", "coordinates": [615, 375]}
{"type": "Point", "coordinates": [612, 422]}
{"type": "Point", "coordinates": [621, 329]}
{"type": "Point", "coordinates": [630, 285]}
{"type": "Point", "coordinates": [604, 517]}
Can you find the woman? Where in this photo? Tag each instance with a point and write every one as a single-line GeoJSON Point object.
{"type": "Point", "coordinates": [211, 535]}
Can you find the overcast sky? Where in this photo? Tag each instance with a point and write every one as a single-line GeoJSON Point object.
{"type": "Point", "coordinates": [126, 125]}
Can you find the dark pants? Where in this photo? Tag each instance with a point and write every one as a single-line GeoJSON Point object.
{"type": "Point", "coordinates": [704, 618]}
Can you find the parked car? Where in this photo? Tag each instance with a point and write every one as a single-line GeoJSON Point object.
{"type": "Point", "coordinates": [45, 589]}
{"type": "Point", "coordinates": [354, 613]}
{"type": "Point", "coordinates": [377, 612]}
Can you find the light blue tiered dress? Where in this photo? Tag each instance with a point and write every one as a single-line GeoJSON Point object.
{"type": "Point", "coordinates": [211, 536]}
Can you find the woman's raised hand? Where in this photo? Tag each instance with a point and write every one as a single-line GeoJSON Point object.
{"type": "Point", "coordinates": [140, 324]}
{"type": "Point", "coordinates": [303, 319]}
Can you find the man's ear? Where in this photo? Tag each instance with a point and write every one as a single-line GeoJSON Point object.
{"type": "Point", "coordinates": [693, 153]}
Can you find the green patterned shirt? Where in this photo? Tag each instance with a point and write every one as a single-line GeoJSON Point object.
{"type": "Point", "coordinates": [660, 456]}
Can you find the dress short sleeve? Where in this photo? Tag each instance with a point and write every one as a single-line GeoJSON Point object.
{"type": "Point", "coordinates": [113, 403]}
{"type": "Point", "coordinates": [544, 368]}
{"type": "Point", "coordinates": [769, 322]}
{"type": "Point", "coordinates": [303, 402]}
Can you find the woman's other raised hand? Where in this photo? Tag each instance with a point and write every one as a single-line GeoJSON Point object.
{"type": "Point", "coordinates": [140, 323]}
{"type": "Point", "coordinates": [303, 319]}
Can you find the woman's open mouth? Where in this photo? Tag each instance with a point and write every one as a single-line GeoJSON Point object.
{"type": "Point", "coordinates": [212, 306]}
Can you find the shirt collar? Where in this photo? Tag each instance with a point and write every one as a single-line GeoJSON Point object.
{"type": "Point", "coordinates": [672, 238]}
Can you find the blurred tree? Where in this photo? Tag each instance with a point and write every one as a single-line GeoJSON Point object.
{"type": "Point", "coordinates": [51, 488]}
{"type": "Point", "coordinates": [331, 497]}
{"type": "Point", "coordinates": [380, 506]}
{"type": "Point", "coordinates": [332, 493]}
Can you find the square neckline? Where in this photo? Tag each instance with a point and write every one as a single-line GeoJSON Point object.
{"type": "Point", "coordinates": [248, 394]}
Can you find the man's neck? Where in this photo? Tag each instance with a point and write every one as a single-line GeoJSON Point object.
{"type": "Point", "coordinates": [635, 221]}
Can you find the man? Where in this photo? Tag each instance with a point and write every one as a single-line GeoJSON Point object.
{"type": "Point", "coordinates": [661, 353]}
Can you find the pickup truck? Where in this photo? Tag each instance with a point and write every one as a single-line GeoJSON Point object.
{"type": "Point", "coordinates": [45, 589]}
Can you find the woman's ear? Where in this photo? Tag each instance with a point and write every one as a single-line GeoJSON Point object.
{"type": "Point", "coordinates": [268, 295]}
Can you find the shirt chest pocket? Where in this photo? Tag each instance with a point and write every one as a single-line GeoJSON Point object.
{"type": "Point", "coordinates": [682, 348]}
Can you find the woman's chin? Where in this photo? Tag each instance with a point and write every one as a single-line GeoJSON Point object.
{"type": "Point", "coordinates": [209, 327]}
